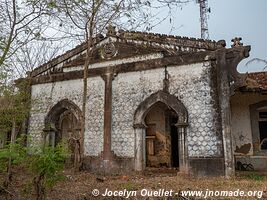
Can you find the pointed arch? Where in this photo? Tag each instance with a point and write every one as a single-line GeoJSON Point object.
{"type": "Point", "coordinates": [61, 122]}
{"type": "Point", "coordinates": [64, 105]}
{"type": "Point", "coordinates": [169, 100]}
{"type": "Point", "coordinates": [140, 128]}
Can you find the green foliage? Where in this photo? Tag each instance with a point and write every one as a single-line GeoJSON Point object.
{"type": "Point", "coordinates": [255, 176]}
{"type": "Point", "coordinates": [130, 186]}
{"type": "Point", "coordinates": [52, 4]}
{"type": "Point", "coordinates": [14, 151]}
{"type": "Point", "coordinates": [49, 163]}
{"type": "Point", "coordinates": [14, 104]}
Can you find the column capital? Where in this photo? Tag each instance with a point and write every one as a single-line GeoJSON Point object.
{"type": "Point", "coordinates": [109, 75]}
{"type": "Point", "coordinates": [181, 124]}
{"type": "Point", "coordinates": [140, 126]}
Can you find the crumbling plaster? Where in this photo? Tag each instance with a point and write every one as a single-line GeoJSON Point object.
{"type": "Point", "coordinates": [241, 122]}
{"type": "Point", "coordinates": [45, 96]}
{"type": "Point", "coordinates": [189, 83]}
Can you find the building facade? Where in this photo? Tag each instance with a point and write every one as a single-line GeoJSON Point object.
{"type": "Point", "coordinates": [249, 122]}
{"type": "Point", "coordinates": [153, 101]}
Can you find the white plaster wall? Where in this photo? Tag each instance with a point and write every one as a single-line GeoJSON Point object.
{"type": "Point", "coordinates": [190, 83]}
{"type": "Point", "coordinates": [240, 114]}
{"type": "Point", "coordinates": [129, 90]}
{"type": "Point", "coordinates": [45, 96]}
{"type": "Point", "coordinates": [94, 134]}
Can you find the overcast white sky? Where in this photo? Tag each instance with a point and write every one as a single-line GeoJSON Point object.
{"type": "Point", "coordinates": [228, 19]}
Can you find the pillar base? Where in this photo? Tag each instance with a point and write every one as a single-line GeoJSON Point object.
{"type": "Point", "coordinates": [115, 165]}
{"type": "Point", "coordinates": [203, 167]}
{"type": "Point", "coordinates": [108, 162]}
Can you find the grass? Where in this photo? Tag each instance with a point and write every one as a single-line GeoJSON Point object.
{"type": "Point", "coordinates": [82, 184]}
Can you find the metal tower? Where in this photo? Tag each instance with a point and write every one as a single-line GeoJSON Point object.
{"type": "Point", "coordinates": [204, 10]}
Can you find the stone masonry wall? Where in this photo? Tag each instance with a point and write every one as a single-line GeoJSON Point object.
{"type": "Point", "coordinates": [190, 83]}
{"type": "Point", "coordinates": [45, 96]}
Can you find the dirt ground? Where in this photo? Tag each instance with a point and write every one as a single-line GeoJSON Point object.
{"type": "Point", "coordinates": [79, 186]}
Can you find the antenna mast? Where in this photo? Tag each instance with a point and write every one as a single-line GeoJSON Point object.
{"type": "Point", "coordinates": [204, 10]}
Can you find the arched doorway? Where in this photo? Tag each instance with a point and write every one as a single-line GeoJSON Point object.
{"type": "Point", "coordinates": [161, 137]}
{"type": "Point", "coordinates": [67, 129]}
{"type": "Point", "coordinates": [174, 119]}
{"type": "Point", "coordinates": [63, 124]}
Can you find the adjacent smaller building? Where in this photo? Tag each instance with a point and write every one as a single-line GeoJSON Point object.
{"type": "Point", "coordinates": [249, 121]}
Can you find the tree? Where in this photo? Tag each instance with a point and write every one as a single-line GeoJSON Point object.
{"type": "Point", "coordinates": [46, 167]}
{"type": "Point", "coordinates": [33, 54]}
{"type": "Point", "coordinates": [13, 154]}
{"type": "Point", "coordinates": [24, 45]}
{"type": "Point", "coordinates": [13, 112]}
{"type": "Point", "coordinates": [91, 17]}
{"type": "Point", "coordinates": [45, 164]}
{"type": "Point", "coordinates": [19, 22]}
{"type": "Point", "coordinates": [27, 24]}
{"type": "Point", "coordinates": [28, 28]}
{"type": "Point", "coordinates": [15, 101]}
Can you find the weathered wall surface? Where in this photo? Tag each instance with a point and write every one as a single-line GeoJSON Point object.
{"type": "Point", "coordinates": [241, 124]}
{"type": "Point", "coordinates": [94, 129]}
{"type": "Point", "coordinates": [191, 84]}
{"type": "Point", "coordinates": [45, 96]}
{"type": "Point", "coordinates": [129, 90]}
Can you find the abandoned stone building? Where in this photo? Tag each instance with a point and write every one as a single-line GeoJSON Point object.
{"type": "Point", "coordinates": [153, 101]}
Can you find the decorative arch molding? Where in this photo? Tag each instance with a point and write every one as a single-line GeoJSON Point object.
{"type": "Point", "coordinates": [54, 118]}
{"type": "Point", "coordinates": [170, 100]}
{"type": "Point", "coordinates": [59, 108]}
{"type": "Point", "coordinates": [140, 128]}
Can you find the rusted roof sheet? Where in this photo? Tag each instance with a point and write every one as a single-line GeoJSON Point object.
{"type": "Point", "coordinates": [256, 81]}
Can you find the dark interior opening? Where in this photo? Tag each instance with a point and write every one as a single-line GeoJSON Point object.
{"type": "Point", "coordinates": [263, 134]}
{"type": "Point", "coordinates": [8, 138]}
{"type": "Point", "coordinates": [174, 143]}
{"type": "Point", "coordinates": [58, 138]}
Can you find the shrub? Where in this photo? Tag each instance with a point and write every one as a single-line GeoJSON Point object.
{"type": "Point", "coordinates": [46, 166]}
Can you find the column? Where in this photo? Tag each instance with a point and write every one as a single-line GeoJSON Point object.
{"type": "Point", "coordinates": [182, 144]}
{"type": "Point", "coordinates": [49, 136]}
{"type": "Point", "coordinates": [52, 139]}
{"type": "Point", "coordinates": [107, 154]}
{"type": "Point", "coordinates": [139, 148]}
